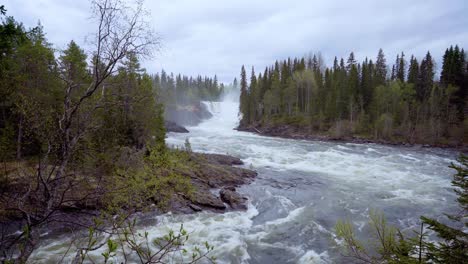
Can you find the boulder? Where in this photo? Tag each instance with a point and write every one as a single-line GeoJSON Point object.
{"type": "Point", "coordinates": [204, 199]}
{"type": "Point", "coordinates": [222, 159]}
{"type": "Point", "coordinates": [174, 127]}
{"type": "Point", "coordinates": [233, 199]}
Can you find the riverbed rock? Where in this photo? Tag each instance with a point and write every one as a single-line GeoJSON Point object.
{"type": "Point", "coordinates": [215, 178]}
{"type": "Point", "coordinates": [218, 172]}
{"type": "Point", "coordinates": [174, 127]}
{"type": "Point", "coordinates": [203, 198]}
{"type": "Point", "coordinates": [222, 159]}
{"type": "Point", "coordinates": [233, 199]}
{"type": "Point", "coordinates": [195, 207]}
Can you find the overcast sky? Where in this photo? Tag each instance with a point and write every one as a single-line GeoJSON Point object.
{"type": "Point", "coordinates": [210, 37]}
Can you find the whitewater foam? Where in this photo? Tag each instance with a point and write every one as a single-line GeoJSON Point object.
{"type": "Point", "coordinates": [303, 188]}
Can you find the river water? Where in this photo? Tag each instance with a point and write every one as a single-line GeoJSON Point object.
{"type": "Point", "coordinates": [302, 189]}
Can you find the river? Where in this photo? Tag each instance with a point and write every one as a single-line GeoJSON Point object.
{"type": "Point", "coordinates": [303, 188]}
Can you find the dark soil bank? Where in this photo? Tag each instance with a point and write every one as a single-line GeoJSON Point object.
{"type": "Point", "coordinates": [293, 132]}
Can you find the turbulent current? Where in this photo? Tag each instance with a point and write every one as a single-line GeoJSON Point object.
{"type": "Point", "coordinates": [303, 188]}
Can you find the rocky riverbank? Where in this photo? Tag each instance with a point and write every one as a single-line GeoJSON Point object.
{"type": "Point", "coordinates": [293, 132]}
{"type": "Point", "coordinates": [215, 182]}
{"type": "Point", "coordinates": [214, 179]}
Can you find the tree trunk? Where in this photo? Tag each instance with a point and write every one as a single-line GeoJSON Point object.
{"type": "Point", "coordinates": [19, 139]}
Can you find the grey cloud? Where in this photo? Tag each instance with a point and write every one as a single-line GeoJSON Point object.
{"type": "Point", "coordinates": [216, 37]}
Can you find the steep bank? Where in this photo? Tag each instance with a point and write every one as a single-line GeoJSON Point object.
{"type": "Point", "coordinates": [304, 133]}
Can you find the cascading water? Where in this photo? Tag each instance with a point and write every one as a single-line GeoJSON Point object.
{"type": "Point", "coordinates": [302, 189]}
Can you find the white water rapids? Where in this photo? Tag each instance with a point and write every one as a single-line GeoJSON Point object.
{"type": "Point", "coordinates": [302, 189]}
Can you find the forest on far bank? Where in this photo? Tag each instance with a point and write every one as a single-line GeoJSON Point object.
{"type": "Point", "coordinates": [404, 103]}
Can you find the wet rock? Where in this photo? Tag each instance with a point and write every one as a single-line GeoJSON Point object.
{"type": "Point", "coordinates": [195, 208]}
{"type": "Point", "coordinates": [213, 171]}
{"type": "Point", "coordinates": [206, 200]}
{"type": "Point", "coordinates": [217, 171]}
{"type": "Point", "coordinates": [178, 204]}
{"type": "Point", "coordinates": [233, 199]}
{"type": "Point", "coordinates": [174, 127]}
{"type": "Point", "coordinates": [222, 159]}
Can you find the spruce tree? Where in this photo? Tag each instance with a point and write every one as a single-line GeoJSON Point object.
{"type": "Point", "coordinates": [253, 96]}
{"type": "Point", "coordinates": [400, 73]}
{"type": "Point", "coordinates": [446, 67]}
{"type": "Point", "coordinates": [426, 78]}
{"type": "Point", "coordinates": [394, 70]}
{"type": "Point", "coordinates": [366, 82]}
{"type": "Point", "coordinates": [413, 71]}
{"type": "Point", "coordinates": [351, 61]}
{"type": "Point", "coordinates": [244, 98]}
{"type": "Point", "coordinates": [380, 69]}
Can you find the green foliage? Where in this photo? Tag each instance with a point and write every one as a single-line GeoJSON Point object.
{"type": "Point", "coordinates": [187, 145]}
{"type": "Point", "coordinates": [126, 242]}
{"type": "Point", "coordinates": [454, 245]}
{"type": "Point", "coordinates": [7, 146]}
{"type": "Point", "coordinates": [388, 244]}
{"type": "Point", "coordinates": [408, 107]}
{"type": "Point", "coordinates": [244, 104]}
{"type": "Point", "coordinates": [392, 246]}
{"type": "Point", "coordinates": [157, 181]}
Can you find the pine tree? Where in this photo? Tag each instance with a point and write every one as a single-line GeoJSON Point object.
{"type": "Point", "coordinates": [335, 64]}
{"type": "Point", "coordinates": [244, 98]}
{"type": "Point", "coordinates": [413, 71]}
{"type": "Point", "coordinates": [351, 62]}
{"type": "Point", "coordinates": [394, 70]}
{"type": "Point", "coordinates": [253, 96]}
{"type": "Point", "coordinates": [366, 82]}
{"type": "Point", "coordinates": [380, 69]}
{"type": "Point", "coordinates": [445, 77]}
{"type": "Point", "coordinates": [264, 84]}
{"type": "Point", "coordinates": [400, 73]}
{"type": "Point", "coordinates": [426, 78]}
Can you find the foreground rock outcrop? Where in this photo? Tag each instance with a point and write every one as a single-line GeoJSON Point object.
{"type": "Point", "coordinates": [215, 184]}
{"type": "Point", "coordinates": [214, 179]}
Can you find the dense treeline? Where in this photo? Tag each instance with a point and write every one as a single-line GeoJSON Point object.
{"type": "Point", "coordinates": [367, 99]}
{"type": "Point", "coordinates": [182, 96]}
